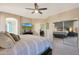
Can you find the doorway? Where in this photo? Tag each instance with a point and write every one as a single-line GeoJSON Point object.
{"type": "Point", "coordinates": [12, 25]}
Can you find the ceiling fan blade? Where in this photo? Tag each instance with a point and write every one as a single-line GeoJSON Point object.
{"type": "Point", "coordinates": [33, 12]}
{"type": "Point", "coordinates": [40, 12]}
{"type": "Point", "coordinates": [42, 8]}
{"type": "Point", "coordinates": [36, 6]}
{"type": "Point", "coordinates": [29, 8]}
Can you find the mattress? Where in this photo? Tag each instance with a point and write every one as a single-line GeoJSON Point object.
{"type": "Point", "coordinates": [29, 45]}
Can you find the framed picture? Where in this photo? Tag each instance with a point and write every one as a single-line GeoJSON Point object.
{"type": "Point", "coordinates": [42, 26]}
{"type": "Point", "coordinates": [47, 25]}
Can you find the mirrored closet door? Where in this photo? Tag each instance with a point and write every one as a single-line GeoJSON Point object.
{"type": "Point", "coordinates": [67, 31]}
{"type": "Point", "coordinates": [72, 35]}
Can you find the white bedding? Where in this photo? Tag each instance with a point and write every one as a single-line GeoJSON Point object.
{"type": "Point", "coordinates": [28, 45]}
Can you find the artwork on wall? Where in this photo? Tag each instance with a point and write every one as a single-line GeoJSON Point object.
{"type": "Point", "coordinates": [47, 25]}
{"type": "Point", "coordinates": [42, 26]}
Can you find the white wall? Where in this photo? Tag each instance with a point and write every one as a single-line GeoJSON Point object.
{"type": "Point", "coordinates": [76, 25]}
{"type": "Point", "coordinates": [2, 22]}
{"type": "Point", "coordinates": [37, 25]}
{"type": "Point", "coordinates": [36, 28]}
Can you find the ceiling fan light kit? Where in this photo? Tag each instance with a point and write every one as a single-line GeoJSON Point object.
{"type": "Point", "coordinates": [36, 9]}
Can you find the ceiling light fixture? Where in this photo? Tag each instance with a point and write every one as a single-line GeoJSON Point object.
{"type": "Point", "coordinates": [36, 11]}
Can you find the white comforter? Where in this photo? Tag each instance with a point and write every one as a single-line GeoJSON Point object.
{"type": "Point", "coordinates": [28, 45]}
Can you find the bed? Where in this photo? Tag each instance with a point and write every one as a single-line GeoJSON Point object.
{"type": "Point", "coordinates": [60, 34]}
{"type": "Point", "coordinates": [30, 45]}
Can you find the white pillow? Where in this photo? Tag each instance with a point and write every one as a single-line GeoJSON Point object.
{"type": "Point", "coordinates": [9, 35]}
{"type": "Point", "coordinates": [5, 41]}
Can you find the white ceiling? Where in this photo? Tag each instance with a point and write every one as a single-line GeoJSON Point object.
{"type": "Point", "coordinates": [52, 9]}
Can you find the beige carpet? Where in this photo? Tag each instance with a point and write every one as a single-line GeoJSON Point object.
{"type": "Point", "coordinates": [63, 49]}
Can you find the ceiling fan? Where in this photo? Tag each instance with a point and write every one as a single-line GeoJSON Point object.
{"type": "Point", "coordinates": [36, 9]}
